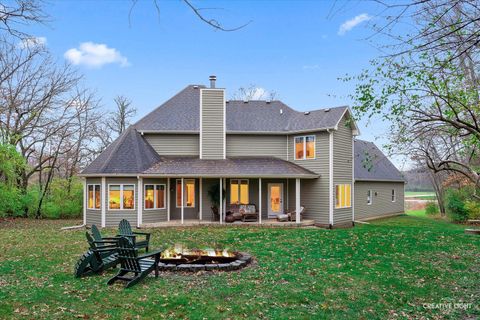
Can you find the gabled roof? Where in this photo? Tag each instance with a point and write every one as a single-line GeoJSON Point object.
{"type": "Point", "coordinates": [372, 165]}
{"type": "Point", "coordinates": [181, 113]}
{"type": "Point", "coordinates": [230, 167]}
{"type": "Point", "coordinates": [129, 153]}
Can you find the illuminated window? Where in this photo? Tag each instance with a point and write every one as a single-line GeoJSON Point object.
{"type": "Point", "coordinates": [188, 193]}
{"type": "Point", "coordinates": [369, 197]}
{"type": "Point", "coordinates": [239, 191]}
{"type": "Point", "coordinates": [94, 197]}
{"type": "Point", "coordinates": [305, 147]}
{"type": "Point", "coordinates": [121, 196]}
{"type": "Point", "coordinates": [394, 196]}
{"type": "Point", "coordinates": [343, 196]}
{"type": "Point", "coordinates": [154, 196]}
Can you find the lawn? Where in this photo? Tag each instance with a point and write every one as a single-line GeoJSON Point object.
{"type": "Point", "coordinates": [421, 195]}
{"type": "Point", "coordinates": [387, 269]}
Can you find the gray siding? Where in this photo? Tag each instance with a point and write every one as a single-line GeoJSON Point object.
{"type": "Point", "coordinates": [94, 216]}
{"type": "Point", "coordinates": [212, 123]}
{"type": "Point", "coordinates": [113, 217]}
{"type": "Point", "coordinates": [313, 192]}
{"type": "Point", "coordinates": [174, 144]}
{"type": "Point", "coordinates": [382, 204]}
{"type": "Point", "coordinates": [154, 215]}
{"type": "Point", "coordinates": [342, 168]}
{"type": "Point", "coordinates": [257, 145]}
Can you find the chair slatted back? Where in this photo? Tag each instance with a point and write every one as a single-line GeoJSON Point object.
{"type": "Point", "coordinates": [101, 250]}
{"type": "Point", "coordinates": [124, 228]}
{"type": "Point", "coordinates": [127, 253]}
{"type": "Point", "coordinates": [96, 233]}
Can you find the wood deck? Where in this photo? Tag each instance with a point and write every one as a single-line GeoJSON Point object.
{"type": "Point", "coordinates": [269, 223]}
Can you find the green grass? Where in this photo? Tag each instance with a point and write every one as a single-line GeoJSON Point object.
{"type": "Point", "coordinates": [387, 269]}
{"type": "Point", "coordinates": [421, 195]}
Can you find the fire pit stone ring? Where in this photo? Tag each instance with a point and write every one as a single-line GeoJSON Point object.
{"type": "Point", "coordinates": [242, 260]}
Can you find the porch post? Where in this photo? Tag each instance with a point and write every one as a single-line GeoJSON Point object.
{"type": "Point", "coordinates": [85, 196]}
{"type": "Point", "coordinates": [220, 205]}
{"type": "Point", "coordinates": [200, 200]}
{"type": "Point", "coordinates": [104, 201]}
{"type": "Point", "coordinates": [259, 200]}
{"type": "Point", "coordinates": [168, 199]}
{"type": "Point", "coordinates": [224, 203]}
{"type": "Point", "coordinates": [140, 202]}
{"type": "Point", "coordinates": [297, 200]}
{"type": "Point", "coordinates": [183, 200]}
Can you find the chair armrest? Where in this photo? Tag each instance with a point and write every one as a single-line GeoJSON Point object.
{"type": "Point", "coordinates": [142, 233]}
{"type": "Point", "coordinates": [150, 254]}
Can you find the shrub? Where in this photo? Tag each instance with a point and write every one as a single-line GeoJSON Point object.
{"type": "Point", "coordinates": [432, 209]}
{"type": "Point", "coordinates": [455, 204]}
{"type": "Point", "coordinates": [11, 203]}
{"type": "Point", "coordinates": [473, 208]}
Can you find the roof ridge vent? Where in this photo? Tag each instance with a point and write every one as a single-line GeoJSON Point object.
{"type": "Point", "coordinates": [245, 100]}
{"type": "Point", "coordinates": [327, 110]}
{"type": "Point", "coordinates": [306, 113]}
{"type": "Point", "coordinates": [268, 101]}
{"type": "Point", "coordinates": [195, 87]}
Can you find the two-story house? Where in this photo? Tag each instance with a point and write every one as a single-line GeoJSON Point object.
{"type": "Point", "coordinates": [163, 167]}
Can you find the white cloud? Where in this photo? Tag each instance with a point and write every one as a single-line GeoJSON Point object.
{"type": "Point", "coordinates": [33, 42]}
{"type": "Point", "coordinates": [95, 55]}
{"type": "Point", "coordinates": [352, 23]}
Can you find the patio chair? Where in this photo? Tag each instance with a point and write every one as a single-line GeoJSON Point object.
{"type": "Point", "coordinates": [131, 262]}
{"type": "Point", "coordinates": [292, 216]}
{"type": "Point", "coordinates": [125, 230]}
{"type": "Point", "coordinates": [101, 256]}
{"type": "Point", "coordinates": [97, 236]}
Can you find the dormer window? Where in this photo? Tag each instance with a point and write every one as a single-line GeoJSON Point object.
{"type": "Point", "coordinates": [305, 147]}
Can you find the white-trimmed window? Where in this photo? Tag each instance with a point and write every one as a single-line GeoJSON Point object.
{"type": "Point", "coordinates": [188, 193]}
{"type": "Point", "coordinates": [343, 196]}
{"type": "Point", "coordinates": [239, 191]}
{"type": "Point", "coordinates": [155, 196]}
{"type": "Point", "coordinates": [121, 196]}
{"type": "Point", "coordinates": [369, 197]}
{"type": "Point", "coordinates": [305, 147]}
{"type": "Point", "coordinates": [94, 196]}
{"type": "Point", "coordinates": [394, 196]}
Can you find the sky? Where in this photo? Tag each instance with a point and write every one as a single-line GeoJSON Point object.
{"type": "Point", "coordinates": [299, 49]}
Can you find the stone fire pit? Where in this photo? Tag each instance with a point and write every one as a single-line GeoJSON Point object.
{"type": "Point", "coordinates": [179, 259]}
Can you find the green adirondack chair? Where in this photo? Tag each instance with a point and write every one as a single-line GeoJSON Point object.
{"type": "Point", "coordinates": [101, 256]}
{"type": "Point", "coordinates": [97, 236]}
{"type": "Point", "coordinates": [132, 263]}
{"type": "Point", "coordinates": [125, 230]}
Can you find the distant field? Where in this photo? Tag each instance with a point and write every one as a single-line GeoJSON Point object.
{"type": "Point", "coordinates": [425, 195]}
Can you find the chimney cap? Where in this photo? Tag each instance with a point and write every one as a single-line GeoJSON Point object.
{"type": "Point", "coordinates": [212, 79]}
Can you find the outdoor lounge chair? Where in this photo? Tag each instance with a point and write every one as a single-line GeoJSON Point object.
{"type": "Point", "coordinates": [131, 262]}
{"type": "Point", "coordinates": [101, 256]}
{"type": "Point", "coordinates": [97, 236]}
{"type": "Point", "coordinates": [292, 216]}
{"type": "Point", "coordinates": [125, 230]}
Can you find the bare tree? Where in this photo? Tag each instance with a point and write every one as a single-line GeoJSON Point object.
{"type": "Point", "coordinates": [19, 13]}
{"type": "Point", "coordinates": [120, 118]}
{"type": "Point", "coordinates": [253, 92]}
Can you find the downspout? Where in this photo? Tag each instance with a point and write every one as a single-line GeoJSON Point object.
{"type": "Point", "coordinates": [330, 179]}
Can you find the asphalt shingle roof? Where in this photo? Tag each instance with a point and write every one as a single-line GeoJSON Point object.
{"type": "Point", "coordinates": [182, 113]}
{"type": "Point", "coordinates": [231, 167]}
{"type": "Point", "coordinates": [129, 153]}
{"type": "Point", "coordinates": [372, 165]}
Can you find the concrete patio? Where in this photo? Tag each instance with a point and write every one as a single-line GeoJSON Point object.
{"type": "Point", "coordinates": [265, 223]}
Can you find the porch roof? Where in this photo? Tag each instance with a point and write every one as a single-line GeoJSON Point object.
{"type": "Point", "coordinates": [231, 167]}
